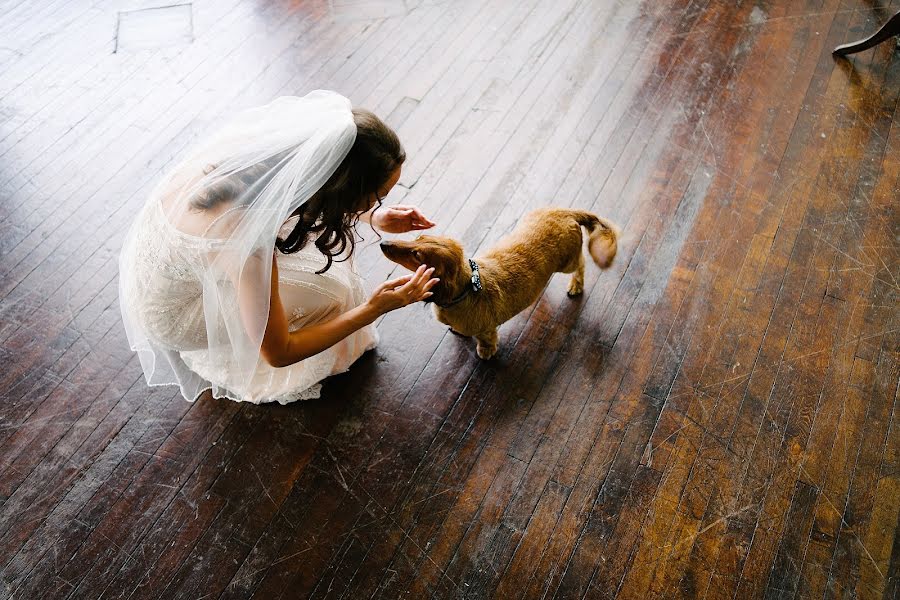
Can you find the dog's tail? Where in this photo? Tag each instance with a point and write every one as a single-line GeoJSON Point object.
{"type": "Point", "coordinates": [603, 238]}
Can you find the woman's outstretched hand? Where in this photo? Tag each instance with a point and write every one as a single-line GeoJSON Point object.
{"type": "Point", "coordinates": [397, 293]}
{"type": "Point", "coordinates": [400, 218]}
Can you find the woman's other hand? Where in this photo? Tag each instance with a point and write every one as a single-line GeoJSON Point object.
{"type": "Point", "coordinates": [400, 218]}
{"type": "Point", "coordinates": [397, 293]}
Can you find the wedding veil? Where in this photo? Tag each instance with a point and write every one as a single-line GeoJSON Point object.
{"type": "Point", "coordinates": [241, 183]}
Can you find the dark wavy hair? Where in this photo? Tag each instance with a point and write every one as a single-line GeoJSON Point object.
{"type": "Point", "coordinates": [330, 216]}
{"type": "Point", "coordinates": [332, 213]}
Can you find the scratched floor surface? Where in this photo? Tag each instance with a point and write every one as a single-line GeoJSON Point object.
{"type": "Point", "coordinates": [715, 418]}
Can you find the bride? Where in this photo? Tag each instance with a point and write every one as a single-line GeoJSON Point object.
{"type": "Point", "coordinates": [236, 275]}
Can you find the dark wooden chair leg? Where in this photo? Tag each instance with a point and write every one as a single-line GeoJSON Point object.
{"type": "Point", "coordinates": [888, 30]}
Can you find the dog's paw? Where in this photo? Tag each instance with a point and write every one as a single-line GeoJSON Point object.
{"type": "Point", "coordinates": [486, 352]}
{"type": "Point", "coordinates": [575, 289]}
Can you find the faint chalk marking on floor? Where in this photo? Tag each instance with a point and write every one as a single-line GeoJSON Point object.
{"type": "Point", "coordinates": [156, 27]}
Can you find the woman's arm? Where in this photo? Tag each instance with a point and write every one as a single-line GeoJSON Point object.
{"type": "Point", "coordinates": [281, 347]}
{"type": "Point", "coordinates": [366, 217]}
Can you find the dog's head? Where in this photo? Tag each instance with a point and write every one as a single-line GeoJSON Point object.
{"type": "Point", "coordinates": [444, 254]}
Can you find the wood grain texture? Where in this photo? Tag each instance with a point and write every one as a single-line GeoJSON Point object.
{"type": "Point", "coordinates": [715, 418]}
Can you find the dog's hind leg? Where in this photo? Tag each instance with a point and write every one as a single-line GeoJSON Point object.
{"type": "Point", "coordinates": [487, 344]}
{"type": "Point", "coordinates": [576, 285]}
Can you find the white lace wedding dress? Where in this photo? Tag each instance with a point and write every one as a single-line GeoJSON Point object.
{"type": "Point", "coordinates": [160, 291]}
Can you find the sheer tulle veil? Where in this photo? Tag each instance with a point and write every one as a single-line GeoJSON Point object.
{"type": "Point", "coordinates": [250, 174]}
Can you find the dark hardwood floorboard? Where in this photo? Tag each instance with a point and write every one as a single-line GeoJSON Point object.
{"type": "Point", "coordinates": [714, 418]}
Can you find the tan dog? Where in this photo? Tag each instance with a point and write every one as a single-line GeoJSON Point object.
{"type": "Point", "coordinates": [474, 297]}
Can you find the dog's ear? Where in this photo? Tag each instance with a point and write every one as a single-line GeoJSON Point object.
{"type": "Point", "coordinates": [442, 293]}
{"type": "Point", "coordinates": [446, 261]}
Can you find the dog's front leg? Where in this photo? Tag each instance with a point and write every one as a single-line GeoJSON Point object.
{"type": "Point", "coordinates": [442, 318]}
{"type": "Point", "coordinates": [487, 344]}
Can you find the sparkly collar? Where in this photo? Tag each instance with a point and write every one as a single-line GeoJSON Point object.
{"type": "Point", "coordinates": [474, 286]}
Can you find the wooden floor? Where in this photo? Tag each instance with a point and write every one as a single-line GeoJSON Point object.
{"type": "Point", "coordinates": [715, 418]}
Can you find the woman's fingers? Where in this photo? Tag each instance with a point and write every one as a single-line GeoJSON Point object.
{"type": "Point", "coordinates": [418, 217]}
{"type": "Point", "coordinates": [424, 290]}
{"type": "Point", "coordinates": [394, 283]}
{"type": "Point", "coordinates": [414, 216]}
{"type": "Point", "coordinates": [411, 282]}
{"type": "Point", "coordinates": [402, 212]}
{"type": "Point", "coordinates": [422, 274]}
{"type": "Point", "coordinates": [398, 281]}
{"type": "Point", "coordinates": [419, 220]}
{"type": "Point", "coordinates": [414, 285]}
{"type": "Point", "coordinates": [428, 285]}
